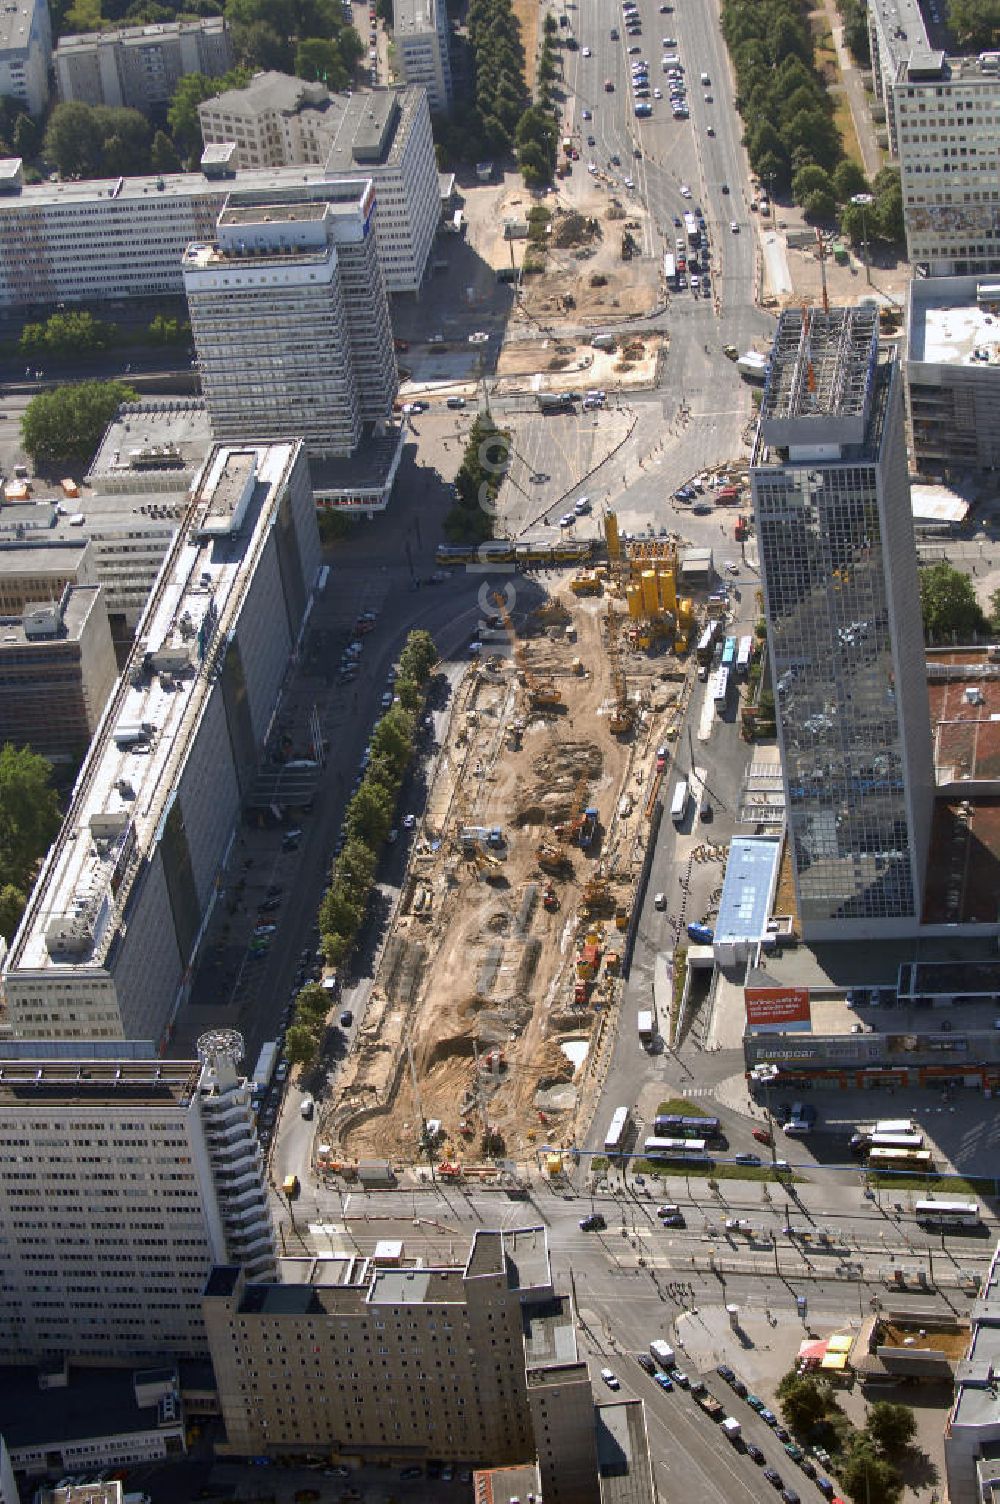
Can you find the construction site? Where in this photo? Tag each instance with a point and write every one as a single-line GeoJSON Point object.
{"type": "Point", "coordinates": [496, 999]}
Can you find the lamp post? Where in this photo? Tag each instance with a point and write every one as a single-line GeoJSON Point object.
{"type": "Point", "coordinates": [864, 202]}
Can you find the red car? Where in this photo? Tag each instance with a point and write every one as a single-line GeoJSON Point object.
{"type": "Point", "coordinates": [763, 1136]}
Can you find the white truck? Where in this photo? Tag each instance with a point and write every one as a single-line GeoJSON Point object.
{"type": "Point", "coordinates": [662, 1353]}
{"type": "Point", "coordinates": [732, 1428]}
{"type": "Point", "coordinates": [679, 803]}
{"type": "Point", "coordinates": [646, 1026]}
{"type": "Point", "coordinates": [264, 1071]}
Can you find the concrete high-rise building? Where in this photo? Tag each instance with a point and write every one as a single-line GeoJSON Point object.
{"type": "Point", "coordinates": [832, 505]}
{"type": "Point", "coordinates": [139, 66]}
{"type": "Point", "coordinates": [389, 1360]}
{"type": "Point", "coordinates": [123, 1179]}
{"type": "Point", "coordinates": [25, 54]}
{"type": "Point", "coordinates": [57, 671]}
{"type": "Point", "coordinates": [947, 136]}
{"type": "Point", "coordinates": [114, 921]}
{"type": "Point", "coordinates": [291, 321]}
{"type": "Point", "coordinates": [36, 565]}
{"type": "Point", "coordinates": [953, 373]}
{"type": "Point", "coordinates": [421, 38]}
{"type": "Point", "coordinates": [383, 135]}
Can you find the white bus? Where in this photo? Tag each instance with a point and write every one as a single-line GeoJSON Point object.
{"type": "Point", "coordinates": [948, 1214]}
{"type": "Point", "coordinates": [895, 1125]}
{"type": "Point", "coordinates": [674, 1148]}
{"type": "Point", "coordinates": [896, 1141]}
{"type": "Point", "coordinates": [743, 656]}
{"type": "Point", "coordinates": [719, 687]}
{"type": "Point", "coordinates": [614, 1141]}
{"type": "Point", "coordinates": [900, 1159]}
{"type": "Point", "coordinates": [679, 803]}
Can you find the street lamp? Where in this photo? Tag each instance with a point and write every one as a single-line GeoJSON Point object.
{"type": "Point", "coordinates": [864, 202]}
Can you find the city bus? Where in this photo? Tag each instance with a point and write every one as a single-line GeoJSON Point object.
{"type": "Point", "coordinates": [614, 1141]}
{"type": "Point", "coordinates": [948, 1214]}
{"type": "Point", "coordinates": [895, 1141]}
{"type": "Point", "coordinates": [900, 1159]}
{"type": "Point", "coordinates": [719, 687]}
{"type": "Point", "coordinates": [672, 1125]}
{"type": "Point", "coordinates": [743, 656]}
{"type": "Point", "coordinates": [729, 652]}
{"type": "Point", "coordinates": [675, 1148]}
{"type": "Point", "coordinates": [670, 271]}
{"type": "Point", "coordinates": [706, 642]}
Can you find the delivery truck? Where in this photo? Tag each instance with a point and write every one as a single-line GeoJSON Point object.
{"type": "Point", "coordinates": [646, 1026]}
{"type": "Point", "coordinates": [662, 1353]}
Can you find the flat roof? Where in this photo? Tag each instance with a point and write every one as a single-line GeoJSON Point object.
{"type": "Point", "coordinates": [414, 1287]}
{"type": "Point", "coordinates": [15, 23]}
{"type": "Point", "coordinates": [56, 555]}
{"type": "Point", "coordinates": [29, 631]}
{"type": "Point", "coordinates": [27, 1082]}
{"type": "Point", "coordinates": [151, 446]}
{"type": "Point", "coordinates": [901, 27]}
{"type": "Point", "coordinates": [139, 36]}
{"type": "Point", "coordinates": [161, 187]}
{"type": "Point", "coordinates": [933, 503]}
{"type": "Point", "coordinates": [549, 1333]}
{"type": "Point", "coordinates": [74, 912]}
{"type": "Point", "coordinates": [751, 875]}
{"type": "Point", "coordinates": [526, 1251]}
{"type": "Point", "coordinates": [833, 967]}
{"type": "Point", "coordinates": [411, 16]}
{"type": "Point", "coordinates": [96, 1402]}
{"type": "Point", "coordinates": [623, 1453]}
{"type": "Point", "coordinates": [955, 334]}
{"type": "Point", "coordinates": [368, 130]}
{"type": "Point", "coordinates": [965, 725]}
{"type": "Point", "coordinates": [506, 1485]}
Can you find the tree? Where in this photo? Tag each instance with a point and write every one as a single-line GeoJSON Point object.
{"type": "Point", "coordinates": [312, 1004]}
{"type": "Point", "coordinates": [316, 58]}
{"type": "Point", "coordinates": [29, 814]}
{"type": "Point", "coordinates": [393, 738]}
{"type": "Point", "coordinates": [804, 1402]}
{"type": "Point", "coordinates": [72, 140]}
{"type": "Point", "coordinates": [67, 424]}
{"type": "Point", "coordinates": [819, 207]}
{"type": "Point", "coordinates": [342, 907]}
{"type": "Point", "coordinates": [551, 24]}
{"type": "Point", "coordinates": [848, 179]}
{"type": "Point", "coordinates": [888, 207]}
{"type": "Point", "coordinates": [866, 1476]}
{"type": "Point", "coordinates": [26, 138]}
{"type": "Point", "coordinates": [893, 1427]}
{"type": "Point", "coordinates": [189, 92]}
{"type": "Point", "coordinates": [356, 865]}
{"type": "Point", "coordinates": [73, 333]}
{"type": "Point", "coordinates": [302, 1045]}
{"type": "Point", "coordinates": [948, 604]}
{"type": "Point", "coordinates": [12, 902]}
{"type": "Point", "coordinates": [995, 611]}
{"type": "Point", "coordinates": [811, 179]}
{"type": "Point", "coordinates": [419, 656]}
{"type": "Point", "coordinates": [163, 154]}
{"type": "Point", "coordinates": [975, 23]}
{"type": "Point", "coordinates": [369, 816]}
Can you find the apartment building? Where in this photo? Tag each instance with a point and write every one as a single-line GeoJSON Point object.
{"type": "Point", "coordinates": [57, 671]}
{"type": "Point", "coordinates": [947, 137]}
{"type": "Point", "coordinates": [953, 373]}
{"type": "Point", "coordinates": [838, 561]}
{"type": "Point", "coordinates": [383, 135]}
{"type": "Point", "coordinates": [123, 1179]}
{"type": "Point", "coordinates": [421, 38]}
{"type": "Point", "coordinates": [291, 321]}
{"type": "Point", "coordinates": [399, 1362]}
{"type": "Point", "coordinates": [25, 54]}
{"type": "Point", "coordinates": [895, 29]}
{"type": "Point", "coordinates": [139, 66]}
{"type": "Point", "coordinates": [114, 921]}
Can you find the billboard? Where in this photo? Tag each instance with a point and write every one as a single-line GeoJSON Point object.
{"type": "Point", "coordinates": [777, 1009]}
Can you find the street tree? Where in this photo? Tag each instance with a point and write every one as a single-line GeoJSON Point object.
{"type": "Point", "coordinates": [419, 656]}
{"type": "Point", "coordinates": [342, 907]}
{"type": "Point", "coordinates": [804, 1401]}
{"type": "Point", "coordinates": [948, 604]}
{"type": "Point", "coordinates": [356, 864]}
{"type": "Point", "coordinates": [67, 423]}
{"type": "Point", "coordinates": [975, 23]}
{"type": "Point", "coordinates": [369, 815]}
{"type": "Point", "coordinates": [849, 179]}
{"type": "Point", "coordinates": [312, 1004]}
{"type": "Point", "coordinates": [302, 1045]}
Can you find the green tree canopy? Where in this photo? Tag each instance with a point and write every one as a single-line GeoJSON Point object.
{"type": "Point", "coordinates": [369, 816]}
{"type": "Point", "coordinates": [66, 424]}
{"type": "Point", "coordinates": [85, 141]}
{"type": "Point", "coordinates": [29, 814]}
{"type": "Point", "coordinates": [804, 1401]}
{"type": "Point", "coordinates": [893, 1427]}
{"type": "Point", "coordinates": [191, 91]}
{"type": "Point", "coordinates": [318, 58]}
{"type": "Point", "coordinates": [302, 1045]}
{"type": "Point", "coordinates": [76, 332]}
{"type": "Point", "coordinates": [948, 604]}
{"type": "Point", "coordinates": [312, 1004]}
{"type": "Point", "coordinates": [419, 656]}
{"type": "Point", "coordinates": [865, 1476]}
{"type": "Point", "coordinates": [848, 179]}
{"type": "Point", "coordinates": [811, 179]}
{"type": "Point", "coordinates": [356, 865]}
{"type": "Point", "coordinates": [12, 902]}
{"type": "Point", "coordinates": [976, 23]}
{"type": "Point", "coordinates": [163, 154]}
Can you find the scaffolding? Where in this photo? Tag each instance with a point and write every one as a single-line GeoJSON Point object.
{"type": "Point", "coordinates": [822, 363]}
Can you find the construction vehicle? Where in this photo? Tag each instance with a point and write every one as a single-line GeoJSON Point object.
{"type": "Point", "coordinates": [586, 583]}
{"type": "Point", "coordinates": [588, 828]}
{"type": "Point", "coordinates": [621, 917]}
{"type": "Point", "coordinates": [550, 899]}
{"type": "Point", "coordinates": [580, 993]}
{"type": "Point", "coordinates": [448, 1170]}
{"type": "Point", "coordinates": [552, 858]}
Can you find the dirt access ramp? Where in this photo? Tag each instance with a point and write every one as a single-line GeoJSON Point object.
{"type": "Point", "coordinates": [480, 975]}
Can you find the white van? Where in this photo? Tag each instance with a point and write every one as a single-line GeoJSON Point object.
{"type": "Point", "coordinates": [705, 78]}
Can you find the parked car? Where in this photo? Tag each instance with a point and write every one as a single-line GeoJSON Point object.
{"type": "Point", "coordinates": [594, 1223]}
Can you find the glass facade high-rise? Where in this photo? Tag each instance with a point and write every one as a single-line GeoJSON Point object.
{"type": "Point", "coordinates": [835, 532]}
